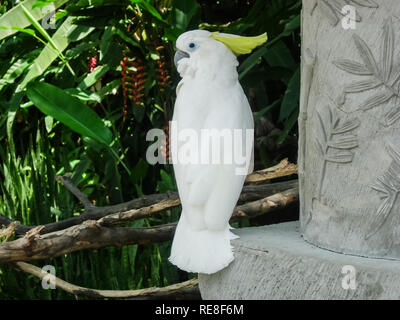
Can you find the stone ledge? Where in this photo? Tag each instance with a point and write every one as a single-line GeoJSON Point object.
{"type": "Point", "coordinates": [274, 262]}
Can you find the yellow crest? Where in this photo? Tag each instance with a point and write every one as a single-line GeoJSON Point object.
{"type": "Point", "coordinates": [239, 44]}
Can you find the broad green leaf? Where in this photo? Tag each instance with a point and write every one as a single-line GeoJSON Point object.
{"type": "Point", "coordinates": [289, 124]}
{"type": "Point", "coordinates": [124, 36]}
{"type": "Point", "coordinates": [110, 88]}
{"type": "Point", "coordinates": [252, 60]}
{"type": "Point", "coordinates": [292, 95]}
{"type": "Point", "coordinates": [44, 33]}
{"type": "Point", "coordinates": [13, 72]}
{"type": "Point", "coordinates": [65, 34]}
{"type": "Point", "coordinates": [139, 172]}
{"type": "Point", "coordinates": [255, 57]}
{"type": "Point", "coordinates": [41, 4]}
{"type": "Point", "coordinates": [17, 18]}
{"type": "Point", "coordinates": [69, 110]}
{"type": "Point", "coordinates": [26, 30]}
{"type": "Point", "coordinates": [12, 110]}
{"type": "Point", "coordinates": [264, 110]}
{"type": "Point", "coordinates": [93, 77]}
{"type": "Point", "coordinates": [279, 55]}
{"type": "Point", "coordinates": [149, 8]}
{"type": "Point", "coordinates": [84, 95]}
{"type": "Point", "coordinates": [181, 15]}
{"type": "Point", "coordinates": [48, 120]}
{"type": "Point", "coordinates": [291, 25]}
{"type": "Point", "coordinates": [106, 40]}
{"type": "Point", "coordinates": [166, 183]}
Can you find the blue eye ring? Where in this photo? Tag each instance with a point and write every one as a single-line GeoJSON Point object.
{"type": "Point", "coordinates": [192, 45]}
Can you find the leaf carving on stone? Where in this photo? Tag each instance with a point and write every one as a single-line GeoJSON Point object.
{"type": "Point", "coordinates": [380, 74]}
{"type": "Point", "coordinates": [334, 141]}
{"type": "Point", "coordinates": [353, 67]}
{"type": "Point", "coordinates": [388, 185]}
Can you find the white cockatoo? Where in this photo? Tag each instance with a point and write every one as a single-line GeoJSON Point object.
{"type": "Point", "coordinates": [209, 99]}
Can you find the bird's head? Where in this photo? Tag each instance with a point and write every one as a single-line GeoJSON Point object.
{"type": "Point", "coordinates": [201, 49]}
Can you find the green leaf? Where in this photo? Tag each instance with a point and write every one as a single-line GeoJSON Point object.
{"type": "Point", "coordinates": [110, 88]}
{"type": "Point", "coordinates": [27, 30]}
{"type": "Point", "coordinates": [126, 37]}
{"type": "Point", "coordinates": [49, 123]}
{"type": "Point", "coordinates": [93, 77]}
{"type": "Point", "coordinates": [65, 34]}
{"type": "Point", "coordinates": [139, 172]}
{"type": "Point", "coordinates": [166, 183]}
{"type": "Point", "coordinates": [69, 110]}
{"type": "Point", "coordinates": [16, 17]}
{"type": "Point", "coordinates": [292, 25]}
{"type": "Point", "coordinates": [41, 4]}
{"type": "Point", "coordinates": [84, 95]}
{"type": "Point", "coordinates": [181, 15]}
{"type": "Point", "coordinates": [292, 95]}
{"type": "Point", "coordinates": [44, 33]}
{"type": "Point", "coordinates": [149, 8]}
{"type": "Point", "coordinates": [279, 55]}
{"type": "Point", "coordinates": [289, 124]}
{"type": "Point", "coordinates": [13, 72]}
{"type": "Point", "coordinates": [264, 110]}
{"type": "Point", "coordinates": [252, 60]}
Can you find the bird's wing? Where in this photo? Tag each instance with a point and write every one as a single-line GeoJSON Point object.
{"type": "Point", "coordinates": [228, 182]}
{"type": "Point", "coordinates": [215, 188]}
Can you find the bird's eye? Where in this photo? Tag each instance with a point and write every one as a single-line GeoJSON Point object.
{"type": "Point", "coordinates": [192, 45]}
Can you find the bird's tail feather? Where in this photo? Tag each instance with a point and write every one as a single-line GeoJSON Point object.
{"type": "Point", "coordinates": [201, 251]}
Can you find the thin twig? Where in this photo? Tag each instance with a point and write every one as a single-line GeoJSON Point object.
{"type": "Point", "coordinates": [75, 191]}
{"type": "Point", "coordinates": [82, 291]}
{"type": "Point", "coordinates": [136, 214]}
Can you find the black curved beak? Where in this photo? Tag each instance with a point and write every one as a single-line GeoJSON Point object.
{"type": "Point", "coordinates": [180, 55]}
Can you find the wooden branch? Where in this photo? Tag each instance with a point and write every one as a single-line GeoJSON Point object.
{"type": "Point", "coordinates": [81, 291]}
{"type": "Point", "coordinates": [19, 228]}
{"type": "Point", "coordinates": [184, 294]}
{"type": "Point", "coordinates": [95, 213]}
{"type": "Point", "coordinates": [88, 235]}
{"type": "Point", "coordinates": [284, 168]}
{"type": "Point", "coordinates": [140, 208]}
{"type": "Point", "coordinates": [9, 230]}
{"type": "Point", "coordinates": [266, 205]}
{"type": "Point", "coordinates": [135, 214]}
{"type": "Point", "coordinates": [253, 192]}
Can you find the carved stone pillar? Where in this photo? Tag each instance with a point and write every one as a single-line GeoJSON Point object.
{"type": "Point", "coordinates": [349, 155]}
